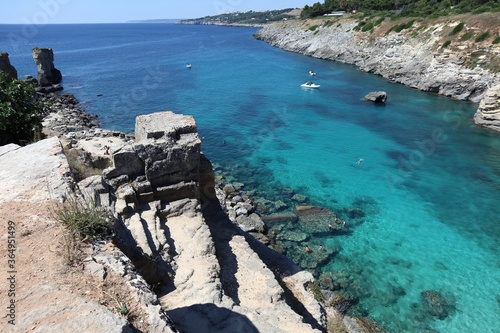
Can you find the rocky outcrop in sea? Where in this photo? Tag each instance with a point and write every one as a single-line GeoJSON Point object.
{"type": "Point", "coordinates": [47, 73]}
{"type": "Point", "coordinates": [5, 65]}
{"type": "Point", "coordinates": [488, 113]}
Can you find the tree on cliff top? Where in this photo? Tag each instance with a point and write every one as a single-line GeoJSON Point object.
{"type": "Point", "coordinates": [21, 113]}
{"type": "Point", "coordinates": [415, 8]}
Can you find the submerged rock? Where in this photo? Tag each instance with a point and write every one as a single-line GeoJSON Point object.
{"type": "Point", "coordinates": [436, 304]}
{"type": "Point", "coordinates": [315, 219]}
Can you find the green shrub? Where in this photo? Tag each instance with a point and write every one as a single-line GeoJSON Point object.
{"type": "Point", "coordinates": [457, 29]}
{"type": "Point", "coordinates": [480, 10]}
{"type": "Point", "coordinates": [399, 27]}
{"type": "Point", "coordinates": [82, 217]}
{"type": "Point", "coordinates": [313, 27]}
{"type": "Point", "coordinates": [379, 21]}
{"type": "Point", "coordinates": [482, 37]}
{"type": "Point", "coordinates": [409, 24]}
{"type": "Point", "coordinates": [21, 113]}
{"type": "Point", "coordinates": [122, 310]}
{"type": "Point", "coordinates": [446, 44]}
{"type": "Point", "coordinates": [367, 27]}
{"type": "Point", "coordinates": [496, 40]}
{"type": "Point", "coordinates": [468, 35]}
{"type": "Point", "coordinates": [328, 24]}
{"type": "Point", "coordinates": [390, 29]}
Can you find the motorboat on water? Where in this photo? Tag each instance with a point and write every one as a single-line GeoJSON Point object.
{"type": "Point", "coordinates": [312, 73]}
{"type": "Point", "coordinates": [188, 65]}
{"type": "Point", "coordinates": [310, 85]}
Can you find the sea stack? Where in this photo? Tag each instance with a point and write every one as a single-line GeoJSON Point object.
{"type": "Point", "coordinates": [47, 73]}
{"type": "Point", "coordinates": [5, 65]}
{"type": "Point", "coordinates": [488, 112]}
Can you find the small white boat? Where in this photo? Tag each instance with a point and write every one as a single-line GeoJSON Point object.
{"type": "Point", "coordinates": [312, 73]}
{"type": "Point", "coordinates": [188, 65]}
{"type": "Point", "coordinates": [310, 85]}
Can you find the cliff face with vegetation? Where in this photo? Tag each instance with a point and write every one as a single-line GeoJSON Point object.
{"type": "Point", "coordinates": [455, 56]}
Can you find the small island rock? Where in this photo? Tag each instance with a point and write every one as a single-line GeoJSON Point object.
{"type": "Point", "coordinates": [376, 96]}
{"type": "Point", "coordinates": [44, 60]}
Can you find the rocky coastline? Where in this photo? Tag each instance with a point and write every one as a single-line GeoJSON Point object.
{"type": "Point", "coordinates": [220, 24]}
{"type": "Point", "coordinates": [184, 205]}
{"type": "Point", "coordinates": [187, 253]}
{"type": "Point", "coordinates": [190, 250]}
{"type": "Point", "coordinates": [414, 57]}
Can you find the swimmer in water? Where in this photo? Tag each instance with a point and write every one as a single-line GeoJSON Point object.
{"type": "Point", "coordinates": [359, 161]}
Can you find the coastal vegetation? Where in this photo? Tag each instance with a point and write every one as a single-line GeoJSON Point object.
{"type": "Point", "coordinates": [82, 217]}
{"type": "Point", "coordinates": [250, 17]}
{"type": "Point", "coordinates": [21, 112]}
{"type": "Point", "coordinates": [402, 8]}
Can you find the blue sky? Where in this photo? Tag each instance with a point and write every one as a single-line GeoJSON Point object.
{"type": "Point", "coordinates": [115, 11]}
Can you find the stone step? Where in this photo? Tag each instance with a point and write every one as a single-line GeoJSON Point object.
{"type": "Point", "coordinates": [261, 298]}
{"type": "Point", "coordinates": [196, 279]}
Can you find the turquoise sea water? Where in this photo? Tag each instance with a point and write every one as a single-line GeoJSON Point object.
{"type": "Point", "coordinates": [422, 208]}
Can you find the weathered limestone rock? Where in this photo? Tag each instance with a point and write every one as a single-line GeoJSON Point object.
{"type": "Point", "coordinates": [171, 243]}
{"type": "Point", "coordinates": [297, 284]}
{"type": "Point", "coordinates": [66, 313]}
{"type": "Point", "coordinates": [166, 126]}
{"type": "Point", "coordinates": [44, 60]}
{"type": "Point", "coordinates": [253, 222]}
{"type": "Point", "coordinates": [376, 96]}
{"type": "Point", "coordinates": [113, 261]}
{"type": "Point", "coordinates": [5, 65]}
{"type": "Point", "coordinates": [8, 147]}
{"type": "Point", "coordinates": [488, 113]}
{"type": "Point", "coordinates": [166, 153]}
{"type": "Point", "coordinates": [41, 165]}
{"type": "Point", "coordinates": [168, 144]}
{"type": "Point", "coordinates": [30, 177]}
{"type": "Point", "coordinates": [126, 162]}
{"type": "Point", "coordinates": [163, 164]}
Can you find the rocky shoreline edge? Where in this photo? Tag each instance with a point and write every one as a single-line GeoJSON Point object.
{"type": "Point", "coordinates": [194, 240]}
{"type": "Point", "coordinates": [414, 56]}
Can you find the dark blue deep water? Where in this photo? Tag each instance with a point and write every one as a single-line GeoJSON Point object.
{"type": "Point", "coordinates": [422, 209]}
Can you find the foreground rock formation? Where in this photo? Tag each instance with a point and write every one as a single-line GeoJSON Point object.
{"type": "Point", "coordinates": [171, 225]}
{"type": "Point", "coordinates": [208, 273]}
{"type": "Point", "coordinates": [30, 178]}
{"type": "Point", "coordinates": [488, 113]}
{"type": "Point", "coordinates": [413, 57]}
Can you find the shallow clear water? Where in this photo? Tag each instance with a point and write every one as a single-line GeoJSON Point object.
{"type": "Point", "coordinates": [428, 186]}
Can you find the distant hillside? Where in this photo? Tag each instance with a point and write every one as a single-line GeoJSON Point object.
{"type": "Point", "coordinates": [171, 21]}
{"type": "Point", "coordinates": [246, 18]}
